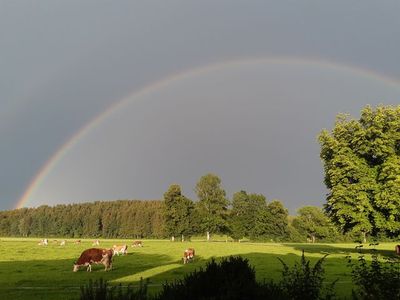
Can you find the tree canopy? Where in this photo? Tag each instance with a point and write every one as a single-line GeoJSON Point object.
{"type": "Point", "coordinates": [362, 170]}
{"type": "Point", "coordinates": [212, 205]}
{"type": "Point", "coordinates": [178, 212]}
{"type": "Point", "coordinates": [312, 222]}
{"type": "Point", "coordinates": [245, 209]}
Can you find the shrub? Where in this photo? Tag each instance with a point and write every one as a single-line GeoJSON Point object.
{"type": "Point", "coordinates": [304, 281]}
{"type": "Point", "coordinates": [233, 278]}
{"type": "Point", "coordinates": [100, 290]}
{"type": "Point", "coordinates": [379, 279]}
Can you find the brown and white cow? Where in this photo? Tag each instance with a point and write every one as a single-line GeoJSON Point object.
{"type": "Point", "coordinates": [397, 249]}
{"type": "Point", "coordinates": [188, 255]}
{"type": "Point", "coordinates": [137, 244]}
{"type": "Point", "coordinates": [94, 255]}
{"type": "Point", "coordinates": [123, 249]}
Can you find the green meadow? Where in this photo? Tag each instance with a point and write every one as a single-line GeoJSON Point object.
{"type": "Point", "coordinates": [30, 271]}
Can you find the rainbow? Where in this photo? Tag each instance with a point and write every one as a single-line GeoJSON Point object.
{"type": "Point", "coordinates": [72, 141]}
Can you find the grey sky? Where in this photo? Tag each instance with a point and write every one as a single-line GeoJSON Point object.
{"type": "Point", "coordinates": [64, 62]}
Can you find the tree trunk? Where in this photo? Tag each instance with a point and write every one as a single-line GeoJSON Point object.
{"type": "Point", "coordinates": [313, 238]}
{"type": "Point", "coordinates": [182, 238]}
{"type": "Point", "coordinates": [364, 235]}
{"type": "Point", "coordinates": [208, 236]}
{"type": "Point", "coordinates": [173, 239]}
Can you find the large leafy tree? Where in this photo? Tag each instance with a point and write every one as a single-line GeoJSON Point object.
{"type": "Point", "coordinates": [212, 205]}
{"type": "Point", "coordinates": [362, 171]}
{"type": "Point", "coordinates": [245, 208]}
{"type": "Point", "coordinates": [178, 212]}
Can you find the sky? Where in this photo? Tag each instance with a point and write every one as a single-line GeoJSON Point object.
{"type": "Point", "coordinates": [106, 100]}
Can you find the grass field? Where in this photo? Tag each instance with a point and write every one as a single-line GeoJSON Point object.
{"type": "Point", "coordinates": [30, 271]}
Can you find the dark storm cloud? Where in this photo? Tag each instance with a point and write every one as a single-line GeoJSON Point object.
{"type": "Point", "coordinates": [63, 62]}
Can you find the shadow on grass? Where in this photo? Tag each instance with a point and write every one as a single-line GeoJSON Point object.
{"type": "Point", "coordinates": [268, 267]}
{"type": "Point", "coordinates": [329, 249]}
{"type": "Point", "coordinates": [34, 279]}
{"type": "Point", "coordinates": [40, 278]}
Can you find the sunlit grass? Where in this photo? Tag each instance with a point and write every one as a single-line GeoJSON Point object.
{"type": "Point", "coordinates": [30, 271]}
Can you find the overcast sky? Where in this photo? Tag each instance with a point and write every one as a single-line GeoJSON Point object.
{"type": "Point", "coordinates": [254, 124]}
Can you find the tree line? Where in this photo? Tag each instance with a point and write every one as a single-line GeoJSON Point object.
{"type": "Point", "coordinates": [107, 219]}
{"type": "Point", "coordinates": [245, 216]}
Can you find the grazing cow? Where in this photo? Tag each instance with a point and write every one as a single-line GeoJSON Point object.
{"type": "Point", "coordinates": [43, 242]}
{"type": "Point", "coordinates": [96, 243]}
{"type": "Point", "coordinates": [137, 244]}
{"type": "Point", "coordinates": [62, 243]}
{"type": "Point", "coordinates": [77, 241]}
{"type": "Point", "coordinates": [397, 249]}
{"type": "Point", "coordinates": [94, 255]}
{"type": "Point", "coordinates": [188, 255]}
{"type": "Point", "coordinates": [120, 249]}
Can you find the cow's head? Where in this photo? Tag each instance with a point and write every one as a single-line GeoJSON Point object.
{"type": "Point", "coordinates": [76, 267]}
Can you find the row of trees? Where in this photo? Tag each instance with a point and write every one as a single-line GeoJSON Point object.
{"type": "Point", "coordinates": [248, 215]}
{"type": "Point", "coordinates": [99, 219]}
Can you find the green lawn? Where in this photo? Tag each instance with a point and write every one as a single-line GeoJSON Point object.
{"type": "Point", "coordinates": [30, 271]}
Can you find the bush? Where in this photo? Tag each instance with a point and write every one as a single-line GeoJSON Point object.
{"type": "Point", "coordinates": [305, 282]}
{"type": "Point", "coordinates": [99, 290]}
{"type": "Point", "coordinates": [377, 279]}
{"type": "Point", "coordinates": [233, 278]}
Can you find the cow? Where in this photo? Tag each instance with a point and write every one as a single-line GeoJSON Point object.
{"type": "Point", "coordinates": [188, 255]}
{"type": "Point", "coordinates": [94, 255]}
{"type": "Point", "coordinates": [77, 241]}
{"type": "Point", "coordinates": [43, 242]}
{"type": "Point", "coordinates": [62, 243]}
{"type": "Point", "coordinates": [96, 243]}
{"type": "Point", "coordinates": [397, 249]}
{"type": "Point", "coordinates": [137, 244]}
{"type": "Point", "coordinates": [123, 249]}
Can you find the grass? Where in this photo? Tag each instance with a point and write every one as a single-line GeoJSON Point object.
{"type": "Point", "coordinates": [30, 271]}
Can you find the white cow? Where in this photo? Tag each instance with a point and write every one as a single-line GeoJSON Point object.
{"type": "Point", "coordinates": [117, 250]}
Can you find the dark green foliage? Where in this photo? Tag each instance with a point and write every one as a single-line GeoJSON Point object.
{"type": "Point", "coordinates": [377, 279]}
{"type": "Point", "coordinates": [245, 209]}
{"type": "Point", "coordinates": [178, 213]}
{"type": "Point", "coordinates": [108, 219]}
{"type": "Point", "coordinates": [213, 205]}
{"type": "Point", "coordinates": [304, 281]}
{"type": "Point", "coordinates": [362, 166]}
{"type": "Point", "coordinates": [271, 222]}
{"type": "Point", "coordinates": [232, 278]}
{"type": "Point", "coordinates": [100, 290]}
{"type": "Point", "coordinates": [312, 223]}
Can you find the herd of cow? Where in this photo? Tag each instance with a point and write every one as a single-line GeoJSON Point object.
{"type": "Point", "coordinates": [105, 256]}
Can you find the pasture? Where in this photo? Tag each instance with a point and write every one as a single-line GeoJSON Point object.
{"type": "Point", "coordinates": [30, 271]}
